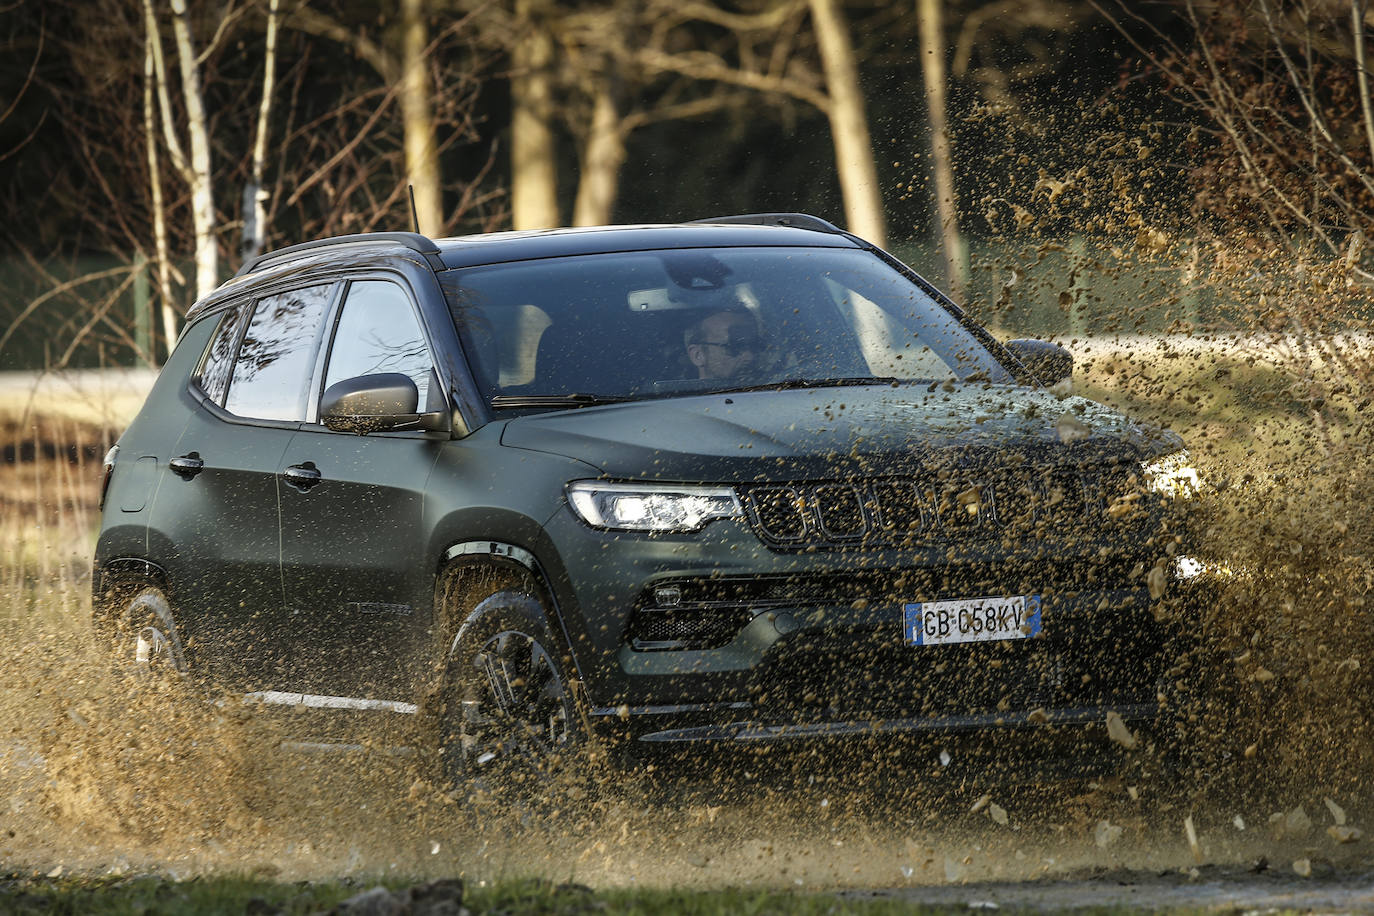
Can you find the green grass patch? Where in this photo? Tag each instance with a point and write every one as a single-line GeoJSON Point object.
{"type": "Point", "coordinates": [145, 896]}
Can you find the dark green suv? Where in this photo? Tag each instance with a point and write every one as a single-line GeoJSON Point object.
{"type": "Point", "coordinates": [740, 480]}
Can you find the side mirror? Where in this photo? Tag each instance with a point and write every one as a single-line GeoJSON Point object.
{"type": "Point", "coordinates": [376, 403]}
{"type": "Point", "coordinates": [1048, 362]}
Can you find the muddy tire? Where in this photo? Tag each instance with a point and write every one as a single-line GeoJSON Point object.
{"type": "Point", "coordinates": [141, 634]}
{"type": "Point", "coordinates": [508, 720]}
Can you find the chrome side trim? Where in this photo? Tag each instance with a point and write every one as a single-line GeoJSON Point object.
{"type": "Point", "coordinates": [314, 701]}
{"type": "Point", "coordinates": [751, 732]}
{"type": "Point", "coordinates": [664, 710]}
{"type": "Point", "coordinates": [494, 549]}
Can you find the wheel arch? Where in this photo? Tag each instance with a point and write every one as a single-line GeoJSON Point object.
{"type": "Point", "coordinates": [126, 573]}
{"type": "Point", "coordinates": [490, 553]}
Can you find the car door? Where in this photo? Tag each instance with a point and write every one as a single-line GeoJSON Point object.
{"type": "Point", "coordinates": [214, 521]}
{"type": "Point", "coordinates": [357, 582]}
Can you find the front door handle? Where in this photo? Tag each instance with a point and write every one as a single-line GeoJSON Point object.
{"type": "Point", "coordinates": [302, 476]}
{"type": "Point", "coordinates": [187, 466]}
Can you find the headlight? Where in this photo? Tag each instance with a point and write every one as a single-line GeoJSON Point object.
{"type": "Point", "coordinates": [1172, 475]}
{"type": "Point", "coordinates": [650, 507]}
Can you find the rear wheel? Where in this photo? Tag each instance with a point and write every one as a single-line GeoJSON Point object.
{"type": "Point", "coordinates": [141, 631]}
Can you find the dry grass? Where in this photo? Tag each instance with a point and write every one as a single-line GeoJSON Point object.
{"type": "Point", "coordinates": [49, 515]}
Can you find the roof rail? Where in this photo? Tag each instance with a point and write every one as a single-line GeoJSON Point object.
{"type": "Point", "coordinates": [795, 220]}
{"type": "Point", "coordinates": [416, 242]}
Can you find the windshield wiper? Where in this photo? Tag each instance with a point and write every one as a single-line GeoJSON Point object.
{"type": "Point", "coordinates": [510, 401]}
{"type": "Point", "coordinates": [788, 384]}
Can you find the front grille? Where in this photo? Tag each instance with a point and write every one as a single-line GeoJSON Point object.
{"type": "Point", "coordinates": [952, 505]}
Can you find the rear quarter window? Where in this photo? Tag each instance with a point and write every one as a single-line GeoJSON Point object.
{"type": "Point", "coordinates": [218, 362]}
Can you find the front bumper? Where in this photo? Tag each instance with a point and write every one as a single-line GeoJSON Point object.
{"type": "Point", "coordinates": [809, 646]}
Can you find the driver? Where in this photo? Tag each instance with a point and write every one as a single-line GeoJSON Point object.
{"type": "Point", "coordinates": [724, 344]}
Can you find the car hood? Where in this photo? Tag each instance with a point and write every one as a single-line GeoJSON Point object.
{"type": "Point", "coordinates": [829, 432]}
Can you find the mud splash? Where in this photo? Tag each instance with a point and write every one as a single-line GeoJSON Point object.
{"type": "Point", "coordinates": [105, 770]}
{"type": "Point", "coordinates": [111, 772]}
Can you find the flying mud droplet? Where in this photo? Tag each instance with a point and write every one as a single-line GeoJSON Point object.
{"type": "Point", "coordinates": [1302, 868]}
{"type": "Point", "coordinates": [1118, 732]}
{"type": "Point", "coordinates": [982, 802]}
{"type": "Point", "coordinates": [1337, 812]}
{"type": "Point", "coordinates": [1071, 429]}
{"type": "Point", "coordinates": [1106, 833]}
{"type": "Point", "coordinates": [1296, 823]}
{"type": "Point", "coordinates": [1157, 580]}
{"type": "Point", "coordinates": [1262, 676]}
{"type": "Point", "coordinates": [1344, 834]}
{"type": "Point", "coordinates": [1191, 833]}
{"type": "Point", "coordinates": [998, 814]}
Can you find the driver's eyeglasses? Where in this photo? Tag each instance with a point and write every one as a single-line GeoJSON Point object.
{"type": "Point", "coordinates": [739, 345]}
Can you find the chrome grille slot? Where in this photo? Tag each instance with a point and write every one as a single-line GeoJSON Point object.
{"type": "Point", "coordinates": [778, 513]}
{"type": "Point", "coordinates": [962, 505]}
{"type": "Point", "coordinates": [900, 509]}
{"type": "Point", "coordinates": [841, 511]}
{"type": "Point", "coordinates": [1016, 502]}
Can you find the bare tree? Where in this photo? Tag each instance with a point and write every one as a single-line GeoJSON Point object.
{"type": "Point", "coordinates": [317, 147]}
{"type": "Point", "coordinates": [848, 123]}
{"type": "Point", "coordinates": [254, 214]}
{"type": "Point", "coordinates": [946, 208]}
{"type": "Point", "coordinates": [771, 52]}
{"type": "Point", "coordinates": [402, 60]}
{"type": "Point", "coordinates": [195, 168]}
{"type": "Point", "coordinates": [533, 151]}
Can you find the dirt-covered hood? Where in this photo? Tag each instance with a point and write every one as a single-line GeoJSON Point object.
{"type": "Point", "coordinates": [827, 432]}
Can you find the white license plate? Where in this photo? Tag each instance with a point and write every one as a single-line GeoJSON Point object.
{"type": "Point", "coordinates": [938, 623]}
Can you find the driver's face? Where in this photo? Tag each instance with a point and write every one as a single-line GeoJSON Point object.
{"type": "Point", "coordinates": [729, 346]}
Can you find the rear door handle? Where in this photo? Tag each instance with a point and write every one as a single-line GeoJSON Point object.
{"type": "Point", "coordinates": [187, 466]}
{"type": "Point", "coordinates": [302, 476]}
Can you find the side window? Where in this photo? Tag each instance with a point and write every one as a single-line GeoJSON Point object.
{"type": "Point", "coordinates": [219, 358]}
{"type": "Point", "coordinates": [272, 372]}
{"type": "Point", "coordinates": [378, 332]}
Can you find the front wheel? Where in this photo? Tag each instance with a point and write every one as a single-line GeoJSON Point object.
{"type": "Point", "coordinates": [509, 717]}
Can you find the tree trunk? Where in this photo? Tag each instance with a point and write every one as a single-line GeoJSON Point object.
{"type": "Point", "coordinates": [602, 157]}
{"type": "Point", "coordinates": [254, 195]}
{"type": "Point", "coordinates": [417, 114]}
{"type": "Point", "coordinates": [858, 175]}
{"type": "Point", "coordinates": [198, 177]}
{"type": "Point", "coordinates": [933, 69]}
{"type": "Point", "coordinates": [534, 176]}
{"type": "Point", "coordinates": [164, 278]}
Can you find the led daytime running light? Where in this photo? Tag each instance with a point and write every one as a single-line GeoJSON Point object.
{"type": "Point", "coordinates": [650, 507]}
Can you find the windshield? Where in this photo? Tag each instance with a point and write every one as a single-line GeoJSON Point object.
{"type": "Point", "coordinates": [652, 324]}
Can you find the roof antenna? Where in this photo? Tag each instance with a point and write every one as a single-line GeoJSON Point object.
{"type": "Point", "coordinates": [414, 214]}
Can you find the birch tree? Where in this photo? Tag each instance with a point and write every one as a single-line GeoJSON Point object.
{"type": "Point", "coordinates": [195, 170]}
{"type": "Point", "coordinates": [254, 196]}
